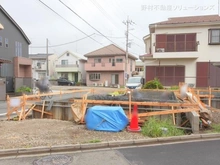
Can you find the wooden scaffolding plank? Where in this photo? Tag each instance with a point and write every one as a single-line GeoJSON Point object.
{"type": "Point", "coordinates": [38, 110]}
{"type": "Point", "coordinates": [32, 107]}
{"type": "Point", "coordinates": [167, 112]}
{"type": "Point", "coordinates": [138, 103]}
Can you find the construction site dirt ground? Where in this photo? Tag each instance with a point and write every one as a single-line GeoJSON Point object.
{"type": "Point", "coordinates": [49, 132]}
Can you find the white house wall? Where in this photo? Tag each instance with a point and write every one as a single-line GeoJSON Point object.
{"type": "Point", "coordinates": [71, 59]}
{"type": "Point", "coordinates": [51, 63]}
{"type": "Point", "coordinates": [205, 52]}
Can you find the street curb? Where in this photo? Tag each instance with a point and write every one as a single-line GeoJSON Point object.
{"type": "Point", "coordinates": [100, 145]}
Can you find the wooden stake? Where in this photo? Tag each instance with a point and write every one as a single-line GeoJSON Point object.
{"type": "Point", "coordinates": [42, 111]}
{"type": "Point", "coordinates": [84, 105]}
{"type": "Point", "coordinates": [174, 121]}
{"type": "Point", "coordinates": [210, 92]}
{"type": "Point", "coordinates": [22, 108]}
{"type": "Point", "coordinates": [129, 93]}
{"type": "Point", "coordinates": [8, 107]}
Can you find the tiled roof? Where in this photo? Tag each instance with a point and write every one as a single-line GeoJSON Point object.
{"type": "Point", "coordinates": [190, 19]}
{"type": "Point", "coordinates": [109, 50]}
{"type": "Point", "coordinates": [146, 55]}
{"type": "Point", "coordinates": [39, 56]}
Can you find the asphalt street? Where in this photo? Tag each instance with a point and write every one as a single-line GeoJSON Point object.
{"type": "Point", "coordinates": [188, 153]}
{"type": "Point", "coordinates": [191, 153]}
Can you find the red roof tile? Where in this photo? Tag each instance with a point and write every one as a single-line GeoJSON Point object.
{"type": "Point", "coordinates": [190, 19]}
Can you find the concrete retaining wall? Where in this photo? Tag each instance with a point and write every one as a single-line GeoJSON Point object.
{"type": "Point", "coordinates": [194, 121]}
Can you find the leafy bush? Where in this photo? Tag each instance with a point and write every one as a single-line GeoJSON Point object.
{"type": "Point", "coordinates": [24, 89]}
{"type": "Point", "coordinates": [153, 84]}
{"type": "Point", "coordinates": [78, 84]}
{"type": "Point", "coordinates": [157, 128]}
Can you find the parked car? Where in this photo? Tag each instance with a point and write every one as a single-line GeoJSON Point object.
{"type": "Point", "coordinates": [63, 81]}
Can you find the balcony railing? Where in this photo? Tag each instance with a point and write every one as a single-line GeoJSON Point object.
{"type": "Point", "coordinates": [69, 65]}
{"type": "Point", "coordinates": [104, 66]}
{"type": "Point", "coordinates": [177, 46]}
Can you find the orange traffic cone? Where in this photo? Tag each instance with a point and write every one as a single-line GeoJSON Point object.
{"type": "Point", "coordinates": [134, 121]}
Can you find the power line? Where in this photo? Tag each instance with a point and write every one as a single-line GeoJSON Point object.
{"type": "Point", "coordinates": [70, 22]}
{"type": "Point", "coordinates": [111, 36]}
{"type": "Point", "coordinates": [102, 10]}
{"type": "Point", "coordinates": [135, 36]}
{"type": "Point", "coordinates": [63, 43]}
{"type": "Point", "coordinates": [86, 22]}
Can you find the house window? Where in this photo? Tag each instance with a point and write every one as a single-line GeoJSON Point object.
{"type": "Point", "coordinates": [39, 65]}
{"type": "Point", "coordinates": [176, 42]}
{"type": "Point", "coordinates": [94, 76]}
{"type": "Point", "coordinates": [18, 49]}
{"type": "Point", "coordinates": [67, 54]}
{"type": "Point", "coordinates": [6, 42]}
{"type": "Point", "coordinates": [97, 60]}
{"type": "Point", "coordinates": [110, 60]}
{"type": "Point", "coordinates": [139, 68]}
{"type": "Point", "coordinates": [119, 60]}
{"type": "Point", "coordinates": [64, 62]}
{"type": "Point", "coordinates": [214, 36]}
{"type": "Point", "coordinates": [1, 41]}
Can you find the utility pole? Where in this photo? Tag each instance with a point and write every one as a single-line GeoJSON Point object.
{"type": "Point", "coordinates": [127, 23]}
{"type": "Point", "coordinates": [47, 57]}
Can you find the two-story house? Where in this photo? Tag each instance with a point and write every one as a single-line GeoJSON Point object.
{"type": "Point", "coordinates": [184, 49]}
{"type": "Point", "coordinates": [15, 69]}
{"type": "Point", "coordinates": [69, 65]}
{"type": "Point", "coordinates": [43, 65]}
{"type": "Point", "coordinates": [107, 66]}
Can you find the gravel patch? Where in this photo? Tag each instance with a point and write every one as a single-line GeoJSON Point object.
{"type": "Point", "coordinates": [48, 132]}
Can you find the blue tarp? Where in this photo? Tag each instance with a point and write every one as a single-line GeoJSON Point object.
{"type": "Point", "coordinates": [106, 118]}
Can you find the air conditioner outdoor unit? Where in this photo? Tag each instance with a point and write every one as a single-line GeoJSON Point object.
{"type": "Point", "coordinates": [95, 84]}
{"type": "Point", "coordinates": [101, 84]}
{"type": "Point", "coordinates": [160, 49]}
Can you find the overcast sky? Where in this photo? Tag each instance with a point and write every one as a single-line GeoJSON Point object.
{"type": "Point", "coordinates": [106, 16]}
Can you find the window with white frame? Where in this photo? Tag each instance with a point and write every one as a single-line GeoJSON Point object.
{"type": "Point", "coordinates": [214, 36]}
{"type": "Point", "coordinates": [97, 60]}
{"type": "Point", "coordinates": [119, 60]}
{"type": "Point", "coordinates": [94, 76]}
{"type": "Point", "coordinates": [64, 62]}
{"type": "Point", "coordinates": [18, 49]}
{"type": "Point", "coordinates": [6, 42]}
{"type": "Point", "coordinates": [1, 42]}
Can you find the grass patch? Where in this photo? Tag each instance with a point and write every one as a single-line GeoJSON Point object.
{"type": "Point", "coordinates": [158, 128]}
{"type": "Point", "coordinates": [95, 141]}
{"type": "Point", "coordinates": [215, 128]}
